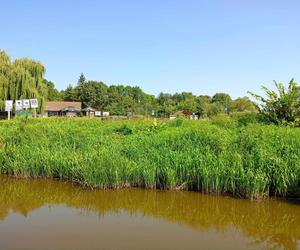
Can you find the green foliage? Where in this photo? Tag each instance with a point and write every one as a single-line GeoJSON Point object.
{"type": "Point", "coordinates": [52, 93]}
{"type": "Point", "coordinates": [157, 126]}
{"type": "Point", "coordinates": [23, 114]}
{"type": "Point", "coordinates": [124, 130]}
{"type": "Point", "coordinates": [203, 105]}
{"type": "Point", "coordinates": [251, 161]}
{"type": "Point", "coordinates": [81, 79]}
{"type": "Point", "coordinates": [24, 78]}
{"type": "Point", "coordinates": [93, 94]}
{"type": "Point", "coordinates": [118, 100]}
{"type": "Point", "coordinates": [222, 99]}
{"type": "Point", "coordinates": [216, 108]}
{"type": "Point", "coordinates": [223, 120]}
{"type": "Point", "coordinates": [70, 94]}
{"type": "Point", "coordinates": [282, 106]}
{"type": "Point", "coordinates": [245, 118]}
{"type": "Point", "coordinates": [178, 122]}
{"type": "Point", "coordinates": [242, 104]}
{"type": "Point", "coordinates": [21, 79]}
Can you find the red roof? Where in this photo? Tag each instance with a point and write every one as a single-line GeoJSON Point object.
{"type": "Point", "coordinates": [57, 106]}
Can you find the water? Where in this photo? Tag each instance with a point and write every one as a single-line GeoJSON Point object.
{"type": "Point", "coordinates": [47, 214]}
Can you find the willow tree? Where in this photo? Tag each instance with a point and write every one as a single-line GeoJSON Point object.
{"type": "Point", "coordinates": [21, 79]}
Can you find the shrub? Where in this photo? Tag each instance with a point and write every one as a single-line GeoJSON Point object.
{"type": "Point", "coordinates": [245, 118]}
{"type": "Point", "coordinates": [282, 106]}
{"type": "Point", "coordinates": [124, 130]}
{"type": "Point", "coordinates": [223, 120]}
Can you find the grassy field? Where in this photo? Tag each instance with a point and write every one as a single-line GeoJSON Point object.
{"type": "Point", "coordinates": [217, 156]}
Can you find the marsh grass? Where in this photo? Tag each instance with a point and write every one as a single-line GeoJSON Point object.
{"type": "Point", "coordinates": [249, 161]}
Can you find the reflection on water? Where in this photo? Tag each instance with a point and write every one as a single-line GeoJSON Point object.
{"type": "Point", "coordinates": [134, 218]}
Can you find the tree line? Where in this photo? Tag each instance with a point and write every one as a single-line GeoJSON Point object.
{"type": "Point", "coordinates": [120, 99]}
{"type": "Point", "coordinates": [24, 78]}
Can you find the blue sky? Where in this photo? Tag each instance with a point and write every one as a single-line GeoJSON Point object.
{"type": "Point", "coordinates": [162, 46]}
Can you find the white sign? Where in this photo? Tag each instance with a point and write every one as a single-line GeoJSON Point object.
{"type": "Point", "coordinates": [97, 113]}
{"type": "Point", "coordinates": [8, 105]}
{"type": "Point", "coordinates": [105, 113]}
{"type": "Point", "coordinates": [26, 104]}
{"type": "Point", "coordinates": [19, 105]}
{"type": "Point", "coordinates": [34, 103]}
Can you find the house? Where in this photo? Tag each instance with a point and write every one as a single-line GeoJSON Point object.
{"type": "Point", "coordinates": [58, 108]}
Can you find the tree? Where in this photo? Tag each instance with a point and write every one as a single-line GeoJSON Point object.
{"type": "Point", "coordinates": [81, 79]}
{"type": "Point", "coordinates": [203, 103]}
{"type": "Point", "coordinates": [242, 104]}
{"type": "Point", "coordinates": [215, 108]}
{"type": "Point", "coordinates": [223, 99]}
{"type": "Point", "coordinates": [92, 94]}
{"type": "Point", "coordinates": [166, 104]}
{"type": "Point", "coordinates": [70, 94]}
{"type": "Point", "coordinates": [280, 106]}
{"type": "Point", "coordinates": [21, 79]}
{"type": "Point", "coordinates": [187, 102]}
{"type": "Point", "coordinates": [52, 93]}
{"type": "Point", "coordinates": [189, 105]}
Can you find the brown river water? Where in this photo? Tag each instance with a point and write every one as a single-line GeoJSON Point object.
{"type": "Point", "coordinates": [48, 214]}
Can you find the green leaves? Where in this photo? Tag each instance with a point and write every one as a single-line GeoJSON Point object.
{"type": "Point", "coordinates": [280, 106]}
{"type": "Point", "coordinates": [22, 78]}
{"type": "Point", "coordinates": [253, 160]}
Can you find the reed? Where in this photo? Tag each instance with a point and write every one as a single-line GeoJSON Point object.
{"type": "Point", "coordinates": [253, 160]}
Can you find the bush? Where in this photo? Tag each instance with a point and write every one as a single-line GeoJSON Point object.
{"type": "Point", "coordinates": [124, 130]}
{"type": "Point", "coordinates": [245, 118]}
{"type": "Point", "coordinates": [224, 121]}
{"type": "Point", "coordinates": [282, 106]}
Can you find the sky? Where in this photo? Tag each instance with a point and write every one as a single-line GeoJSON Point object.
{"type": "Point", "coordinates": [169, 46]}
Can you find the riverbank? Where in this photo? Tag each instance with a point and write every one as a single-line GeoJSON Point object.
{"type": "Point", "coordinates": [249, 161]}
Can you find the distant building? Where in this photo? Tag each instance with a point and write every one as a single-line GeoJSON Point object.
{"type": "Point", "coordinates": [68, 109]}
{"type": "Point", "coordinates": [89, 111]}
{"type": "Point", "coordinates": [105, 113]}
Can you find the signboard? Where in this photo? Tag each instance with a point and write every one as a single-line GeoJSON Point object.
{"type": "Point", "coordinates": [26, 103]}
{"type": "Point", "coordinates": [34, 103]}
{"type": "Point", "coordinates": [19, 105]}
{"type": "Point", "coordinates": [8, 105]}
{"type": "Point", "coordinates": [97, 113]}
{"type": "Point", "coordinates": [105, 114]}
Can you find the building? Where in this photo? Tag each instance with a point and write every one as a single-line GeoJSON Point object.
{"type": "Point", "coordinates": [105, 113]}
{"type": "Point", "coordinates": [89, 111]}
{"type": "Point", "coordinates": [69, 109]}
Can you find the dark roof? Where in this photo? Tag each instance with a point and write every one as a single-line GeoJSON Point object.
{"type": "Point", "coordinates": [58, 106]}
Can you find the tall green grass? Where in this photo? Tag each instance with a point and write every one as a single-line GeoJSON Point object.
{"type": "Point", "coordinates": [250, 161]}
